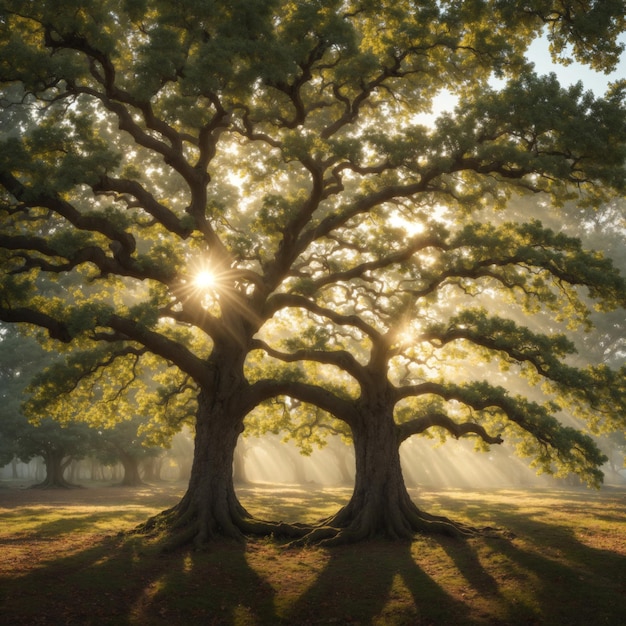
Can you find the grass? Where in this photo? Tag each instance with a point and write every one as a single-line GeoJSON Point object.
{"type": "Point", "coordinates": [62, 562]}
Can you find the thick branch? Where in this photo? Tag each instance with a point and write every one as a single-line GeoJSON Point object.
{"type": "Point", "coordinates": [93, 223]}
{"type": "Point", "coordinates": [423, 423]}
{"type": "Point", "coordinates": [146, 201]}
{"type": "Point", "coordinates": [118, 264]}
{"type": "Point", "coordinates": [56, 330]}
{"type": "Point", "coordinates": [339, 408]}
{"type": "Point", "coordinates": [162, 346]}
{"type": "Point", "coordinates": [339, 358]}
{"type": "Point", "coordinates": [416, 245]}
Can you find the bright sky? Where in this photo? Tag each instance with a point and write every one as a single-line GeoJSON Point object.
{"type": "Point", "coordinates": [570, 74]}
{"type": "Point", "coordinates": [539, 54]}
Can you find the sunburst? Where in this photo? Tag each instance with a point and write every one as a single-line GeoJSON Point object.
{"type": "Point", "coordinates": [204, 280]}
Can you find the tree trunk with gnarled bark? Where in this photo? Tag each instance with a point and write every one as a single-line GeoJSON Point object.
{"type": "Point", "coordinates": [380, 504]}
{"type": "Point", "coordinates": [210, 506]}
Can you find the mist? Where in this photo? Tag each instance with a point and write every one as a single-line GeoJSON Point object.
{"type": "Point", "coordinates": [426, 463]}
{"type": "Point", "coordinates": [268, 460]}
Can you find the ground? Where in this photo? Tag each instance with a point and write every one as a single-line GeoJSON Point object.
{"type": "Point", "coordinates": [63, 562]}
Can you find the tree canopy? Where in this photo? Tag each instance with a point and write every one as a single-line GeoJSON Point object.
{"type": "Point", "coordinates": [218, 207]}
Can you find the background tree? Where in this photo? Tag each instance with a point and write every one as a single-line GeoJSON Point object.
{"type": "Point", "coordinates": [58, 445]}
{"type": "Point", "coordinates": [11, 388]}
{"type": "Point", "coordinates": [230, 165]}
{"type": "Point", "coordinates": [124, 443]}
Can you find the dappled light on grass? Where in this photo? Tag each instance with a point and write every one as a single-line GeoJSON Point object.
{"type": "Point", "coordinates": [595, 518]}
{"type": "Point", "coordinates": [564, 566]}
{"type": "Point", "coordinates": [50, 524]}
{"type": "Point", "coordinates": [292, 502]}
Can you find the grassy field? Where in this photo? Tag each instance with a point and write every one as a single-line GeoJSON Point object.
{"type": "Point", "coordinates": [62, 562]}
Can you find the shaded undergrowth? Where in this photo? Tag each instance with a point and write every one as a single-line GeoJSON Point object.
{"type": "Point", "coordinates": [63, 563]}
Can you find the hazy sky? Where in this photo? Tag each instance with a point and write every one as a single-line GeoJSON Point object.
{"type": "Point", "coordinates": [539, 54]}
{"type": "Point", "coordinates": [567, 75]}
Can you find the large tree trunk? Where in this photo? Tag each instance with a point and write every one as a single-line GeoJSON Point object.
{"type": "Point", "coordinates": [210, 507]}
{"type": "Point", "coordinates": [211, 493]}
{"type": "Point", "coordinates": [55, 464]}
{"type": "Point", "coordinates": [380, 504]}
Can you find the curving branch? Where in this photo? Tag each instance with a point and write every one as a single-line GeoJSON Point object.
{"type": "Point", "coordinates": [93, 223]}
{"type": "Point", "coordinates": [119, 264]}
{"type": "Point", "coordinates": [145, 200]}
{"type": "Point", "coordinates": [436, 418]}
{"type": "Point", "coordinates": [341, 408]}
{"type": "Point", "coordinates": [284, 300]}
{"type": "Point", "coordinates": [162, 346]}
{"type": "Point", "coordinates": [339, 358]}
{"type": "Point", "coordinates": [416, 245]}
{"type": "Point", "coordinates": [164, 140]}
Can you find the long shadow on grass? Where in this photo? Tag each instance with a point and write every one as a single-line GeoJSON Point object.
{"type": "Point", "coordinates": [125, 581]}
{"type": "Point", "coordinates": [361, 583]}
{"type": "Point", "coordinates": [216, 587]}
{"type": "Point", "coordinates": [579, 584]}
{"type": "Point", "coordinates": [90, 586]}
{"type": "Point", "coordinates": [546, 575]}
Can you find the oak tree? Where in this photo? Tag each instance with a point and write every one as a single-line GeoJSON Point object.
{"type": "Point", "coordinates": [195, 178]}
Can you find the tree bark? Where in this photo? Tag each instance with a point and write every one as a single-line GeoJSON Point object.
{"type": "Point", "coordinates": [380, 504]}
{"type": "Point", "coordinates": [210, 507]}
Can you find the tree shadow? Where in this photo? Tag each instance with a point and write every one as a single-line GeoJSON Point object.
{"type": "Point", "coordinates": [550, 573]}
{"type": "Point", "coordinates": [216, 587]}
{"type": "Point", "coordinates": [363, 583]}
{"type": "Point", "coordinates": [124, 580]}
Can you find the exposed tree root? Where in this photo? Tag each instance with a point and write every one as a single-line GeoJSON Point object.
{"type": "Point", "coordinates": [180, 530]}
{"type": "Point", "coordinates": [191, 524]}
{"type": "Point", "coordinates": [187, 525]}
{"type": "Point", "coordinates": [346, 527]}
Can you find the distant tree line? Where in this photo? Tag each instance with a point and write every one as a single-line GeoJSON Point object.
{"type": "Point", "coordinates": [61, 444]}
